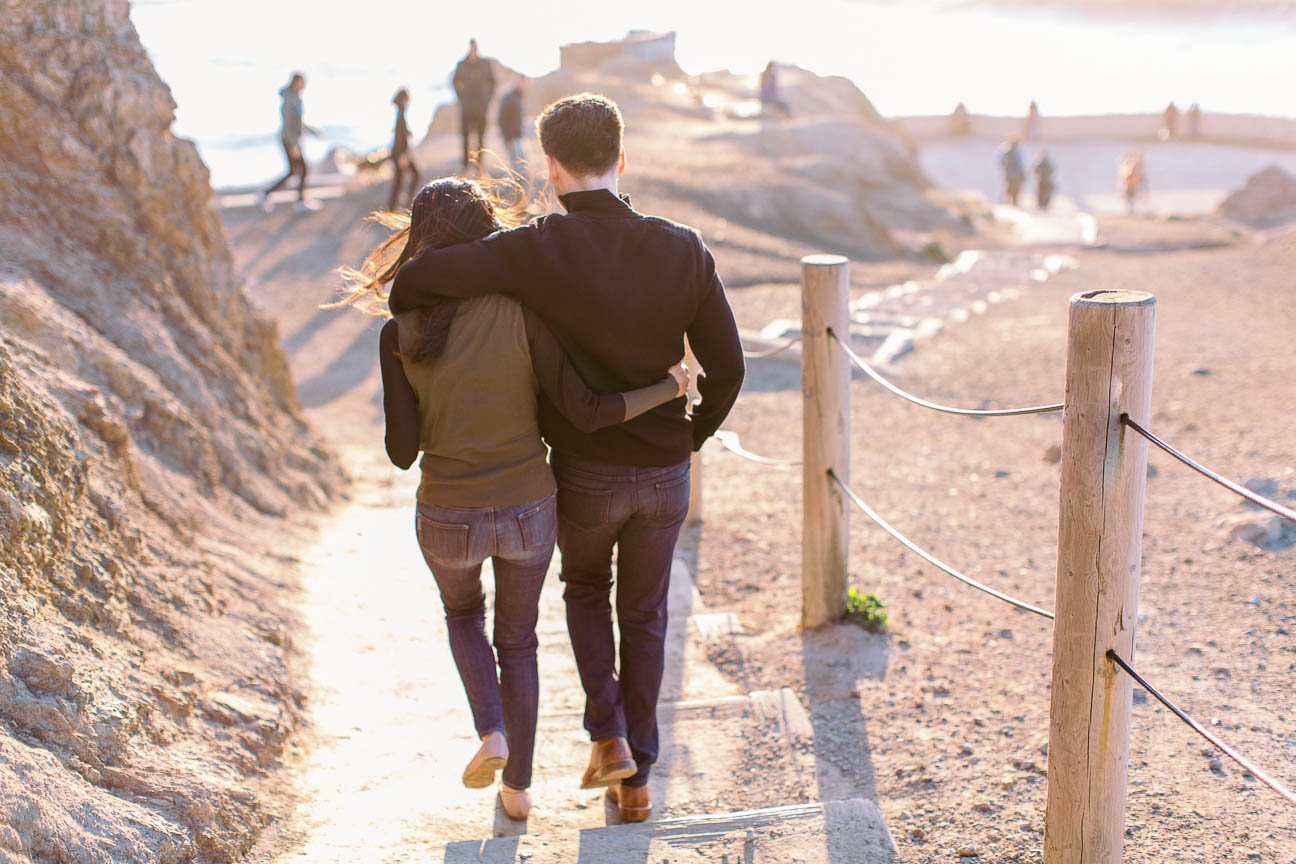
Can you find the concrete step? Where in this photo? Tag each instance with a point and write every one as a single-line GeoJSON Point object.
{"type": "Point", "coordinates": [835, 832]}
{"type": "Point", "coordinates": [716, 755]}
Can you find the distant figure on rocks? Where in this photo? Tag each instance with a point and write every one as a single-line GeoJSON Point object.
{"type": "Point", "coordinates": [960, 122]}
{"type": "Point", "coordinates": [1014, 170]}
{"type": "Point", "coordinates": [1044, 172]}
{"type": "Point", "coordinates": [622, 289]}
{"type": "Point", "coordinates": [1032, 126]}
{"type": "Point", "coordinates": [290, 134]}
{"type": "Point", "coordinates": [474, 86]}
{"type": "Point", "coordinates": [510, 123]}
{"type": "Point", "coordinates": [462, 382]}
{"type": "Point", "coordinates": [1194, 122]}
{"type": "Point", "coordinates": [400, 151]}
{"type": "Point", "coordinates": [1133, 179]}
{"type": "Point", "coordinates": [770, 98]}
{"type": "Point", "coordinates": [1170, 122]}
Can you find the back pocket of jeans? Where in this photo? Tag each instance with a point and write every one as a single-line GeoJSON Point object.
{"type": "Point", "coordinates": [539, 525]}
{"type": "Point", "coordinates": [443, 540]}
{"type": "Point", "coordinates": [673, 499]}
{"type": "Point", "coordinates": [584, 508]}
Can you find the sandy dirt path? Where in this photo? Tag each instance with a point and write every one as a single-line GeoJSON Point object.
{"type": "Point", "coordinates": [945, 720]}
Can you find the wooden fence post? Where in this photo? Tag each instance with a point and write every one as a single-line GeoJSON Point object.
{"type": "Point", "coordinates": [825, 406]}
{"type": "Point", "coordinates": [1104, 471]}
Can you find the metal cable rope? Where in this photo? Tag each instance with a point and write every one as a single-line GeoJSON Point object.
{"type": "Point", "coordinates": [731, 442]}
{"type": "Point", "coordinates": [778, 349]}
{"type": "Point", "coordinates": [1254, 498]}
{"type": "Point", "coordinates": [966, 412]}
{"type": "Point", "coordinates": [1228, 751]}
{"type": "Point", "coordinates": [932, 559]}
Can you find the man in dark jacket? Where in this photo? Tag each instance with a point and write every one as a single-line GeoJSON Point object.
{"type": "Point", "coordinates": [474, 85]}
{"type": "Point", "coordinates": [621, 290]}
{"type": "Point", "coordinates": [510, 123]}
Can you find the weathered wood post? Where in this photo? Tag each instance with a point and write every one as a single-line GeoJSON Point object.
{"type": "Point", "coordinates": [1104, 471]}
{"type": "Point", "coordinates": [825, 407]}
{"type": "Point", "coordinates": [694, 515]}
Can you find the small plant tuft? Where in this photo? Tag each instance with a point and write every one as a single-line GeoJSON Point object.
{"type": "Point", "coordinates": [866, 610]}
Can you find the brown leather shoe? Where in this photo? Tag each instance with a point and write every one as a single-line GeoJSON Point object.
{"type": "Point", "coordinates": [632, 801]}
{"type": "Point", "coordinates": [610, 762]}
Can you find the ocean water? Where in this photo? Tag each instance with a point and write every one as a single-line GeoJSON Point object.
{"type": "Point", "coordinates": [226, 59]}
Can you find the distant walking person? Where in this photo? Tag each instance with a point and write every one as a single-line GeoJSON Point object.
{"type": "Point", "coordinates": [1194, 121]}
{"type": "Point", "coordinates": [1044, 178]}
{"type": "Point", "coordinates": [1133, 179]}
{"type": "Point", "coordinates": [291, 136]}
{"type": "Point", "coordinates": [1014, 170]}
{"type": "Point", "coordinates": [400, 151]}
{"type": "Point", "coordinates": [510, 123]}
{"type": "Point", "coordinates": [769, 92]}
{"type": "Point", "coordinates": [474, 86]}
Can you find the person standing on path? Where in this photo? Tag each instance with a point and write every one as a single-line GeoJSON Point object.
{"type": "Point", "coordinates": [510, 123]}
{"type": "Point", "coordinates": [1133, 179]}
{"type": "Point", "coordinates": [1014, 170]}
{"type": "Point", "coordinates": [474, 86]}
{"type": "Point", "coordinates": [400, 151]}
{"type": "Point", "coordinates": [460, 383]}
{"type": "Point", "coordinates": [621, 290]}
{"type": "Point", "coordinates": [290, 133]}
{"type": "Point", "coordinates": [1044, 174]}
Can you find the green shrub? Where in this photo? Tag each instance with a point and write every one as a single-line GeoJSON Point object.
{"type": "Point", "coordinates": [866, 610]}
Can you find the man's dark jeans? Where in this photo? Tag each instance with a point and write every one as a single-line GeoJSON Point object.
{"type": "Point", "coordinates": [519, 539]}
{"type": "Point", "coordinates": [640, 511]}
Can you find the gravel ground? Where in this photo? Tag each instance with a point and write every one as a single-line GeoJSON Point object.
{"type": "Point", "coordinates": [945, 718]}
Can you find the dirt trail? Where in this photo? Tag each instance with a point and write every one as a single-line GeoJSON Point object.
{"type": "Point", "coordinates": [944, 721]}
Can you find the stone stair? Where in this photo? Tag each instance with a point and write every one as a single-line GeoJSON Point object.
{"type": "Point", "coordinates": [836, 832]}
{"type": "Point", "coordinates": [887, 324]}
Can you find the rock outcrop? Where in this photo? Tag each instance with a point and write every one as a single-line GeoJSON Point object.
{"type": "Point", "coordinates": [150, 441]}
{"type": "Point", "coordinates": [1268, 199]}
{"type": "Point", "coordinates": [834, 175]}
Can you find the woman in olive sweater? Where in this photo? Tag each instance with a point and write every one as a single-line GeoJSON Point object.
{"type": "Point", "coordinates": [461, 383]}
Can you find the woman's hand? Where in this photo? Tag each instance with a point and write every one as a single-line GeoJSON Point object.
{"type": "Point", "coordinates": [680, 372]}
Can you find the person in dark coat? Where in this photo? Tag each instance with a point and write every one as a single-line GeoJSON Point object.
{"type": "Point", "coordinates": [510, 123]}
{"type": "Point", "coordinates": [400, 151]}
{"type": "Point", "coordinates": [474, 86]}
{"type": "Point", "coordinates": [1044, 172]}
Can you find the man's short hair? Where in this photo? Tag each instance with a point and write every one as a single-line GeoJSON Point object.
{"type": "Point", "coordinates": [583, 133]}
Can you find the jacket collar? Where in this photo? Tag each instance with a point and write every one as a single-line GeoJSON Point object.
{"type": "Point", "coordinates": [595, 200]}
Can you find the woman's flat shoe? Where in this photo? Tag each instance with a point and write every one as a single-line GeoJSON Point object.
{"type": "Point", "coordinates": [516, 802]}
{"type": "Point", "coordinates": [492, 756]}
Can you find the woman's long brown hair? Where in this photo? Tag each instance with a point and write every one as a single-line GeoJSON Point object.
{"type": "Point", "coordinates": [445, 212]}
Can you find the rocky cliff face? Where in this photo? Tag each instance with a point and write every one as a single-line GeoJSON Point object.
{"type": "Point", "coordinates": [149, 441]}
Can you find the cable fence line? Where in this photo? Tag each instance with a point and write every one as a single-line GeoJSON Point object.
{"type": "Point", "coordinates": [1254, 497]}
{"type": "Point", "coordinates": [1110, 336]}
{"type": "Point", "coordinates": [1249, 766]}
{"type": "Point", "coordinates": [731, 442]}
{"type": "Point", "coordinates": [770, 352]}
{"type": "Point", "coordinates": [930, 558]}
{"type": "Point", "coordinates": [935, 406]}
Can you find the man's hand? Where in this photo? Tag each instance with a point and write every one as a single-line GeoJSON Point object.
{"type": "Point", "coordinates": [680, 372]}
